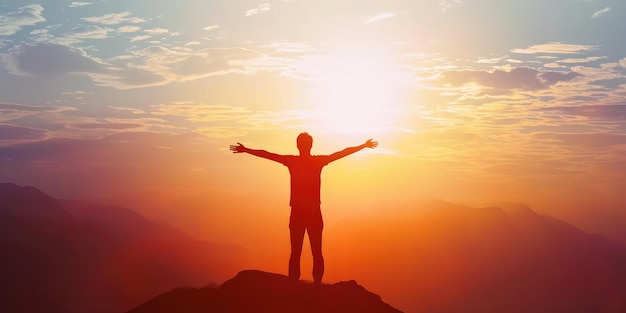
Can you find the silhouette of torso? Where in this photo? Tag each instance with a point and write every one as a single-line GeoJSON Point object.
{"type": "Point", "coordinates": [305, 172]}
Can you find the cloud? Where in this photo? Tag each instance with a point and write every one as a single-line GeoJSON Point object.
{"type": "Point", "coordinates": [157, 31]}
{"type": "Point", "coordinates": [221, 132]}
{"type": "Point", "coordinates": [588, 140]}
{"type": "Point", "coordinates": [521, 78]}
{"type": "Point", "coordinates": [200, 112]}
{"type": "Point", "coordinates": [600, 12]}
{"type": "Point", "coordinates": [12, 22]}
{"type": "Point", "coordinates": [211, 27]}
{"type": "Point", "coordinates": [447, 4]}
{"type": "Point", "coordinates": [46, 59]}
{"type": "Point", "coordinates": [111, 126]}
{"type": "Point", "coordinates": [89, 32]}
{"type": "Point", "coordinates": [152, 66]}
{"type": "Point", "coordinates": [114, 19]}
{"type": "Point", "coordinates": [10, 111]}
{"type": "Point", "coordinates": [289, 47]}
{"type": "Point", "coordinates": [186, 64]}
{"type": "Point", "coordinates": [379, 17]}
{"type": "Point", "coordinates": [218, 120]}
{"type": "Point", "coordinates": [261, 8]}
{"type": "Point", "coordinates": [556, 48]}
{"type": "Point", "coordinates": [31, 108]}
{"type": "Point", "coordinates": [622, 62]}
{"type": "Point", "coordinates": [609, 112]}
{"type": "Point", "coordinates": [140, 38]}
{"type": "Point", "coordinates": [129, 29]}
{"type": "Point", "coordinates": [13, 133]}
{"type": "Point", "coordinates": [490, 60]}
{"type": "Point", "coordinates": [79, 4]}
{"type": "Point", "coordinates": [581, 60]}
{"type": "Point", "coordinates": [128, 78]}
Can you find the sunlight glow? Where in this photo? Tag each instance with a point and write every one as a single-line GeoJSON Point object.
{"type": "Point", "coordinates": [358, 91]}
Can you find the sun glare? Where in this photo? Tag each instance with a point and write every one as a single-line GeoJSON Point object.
{"type": "Point", "coordinates": [358, 91]}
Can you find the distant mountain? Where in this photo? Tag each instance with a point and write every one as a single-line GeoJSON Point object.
{"type": "Point", "coordinates": [256, 291]}
{"type": "Point", "coordinates": [434, 256]}
{"type": "Point", "coordinates": [70, 256]}
{"type": "Point", "coordinates": [445, 257]}
{"type": "Point", "coordinates": [28, 201]}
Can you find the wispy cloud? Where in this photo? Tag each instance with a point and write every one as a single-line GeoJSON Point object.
{"type": "Point", "coordinates": [598, 13]}
{"type": "Point", "coordinates": [140, 38]}
{"type": "Point", "coordinates": [379, 17]}
{"type": "Point", "coordinates": [263, 7]}
{"type": "Point", "coordinates": [211, 27]}
{"type": "Point", "coordinates": [160, 65]}
{"type": "Point", "coordinates": [110, 126]}
{"type": "Point", "coordinates": [10, 133]}
{"type": "Point", "coordinates": [114, 19]}
{"type": "Point", "coordinates": [200, 112]}
{"type": "Point", "coordinates": [10, 111]}
{"type": "Point", "coordinates": [556, 48]}
{"type": "Point", "coordinates": [581, 60]}
{"type": "Point", "coordinates": [79, 4]}
{"type": "Point", "coordinates": [129, 29]}
{"type": "Point", "coordinates": [447, 4]}
{"type": "Point", "coordinates": [47, 59]}
{"type": "Point", "coordinates": [89, 32]}
{"type": "Point", "coordinates": [503, 82]}
{"type": "Point", "coordinates": [289, 47]}
{"type": "Point", "coordinates": [157, 31]}
{"type": "Point", "coordinates": [12, 22]}
{"type": "Point", "coordinates": [609, 112]}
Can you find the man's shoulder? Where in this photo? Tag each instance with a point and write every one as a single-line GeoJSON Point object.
{"type": "Point", "coordinates": [287, 157]}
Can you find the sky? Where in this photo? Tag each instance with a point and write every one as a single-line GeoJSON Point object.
{"type": "Point", "coordinates": [471, 101]}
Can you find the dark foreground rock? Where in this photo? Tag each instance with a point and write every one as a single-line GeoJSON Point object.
{"type": "Point", "coordinates": [257, 291]}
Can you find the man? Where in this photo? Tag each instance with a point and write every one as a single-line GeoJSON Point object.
{"type": "Point", "coordinates": [305, 171]}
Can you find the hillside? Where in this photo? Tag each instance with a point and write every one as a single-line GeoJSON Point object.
{"type": "Point", "coordinates": [78, 257]}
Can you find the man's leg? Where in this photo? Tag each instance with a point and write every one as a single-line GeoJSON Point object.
{"type": "Point", "coordinates": [315, 238]}
{"type": "Point", "coordinates": [296, 232]}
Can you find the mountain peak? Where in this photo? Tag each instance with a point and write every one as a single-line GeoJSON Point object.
{"type": "Point", "coordinates": [517, 209]}
{"type": "Point", "coordinates": [28, 200]}
{"type": "Point", "coordinates": [258, 291]}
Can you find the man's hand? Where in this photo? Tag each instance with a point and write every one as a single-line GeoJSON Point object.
{"type": "Point", "coordinates": [370, 144]}
{"type": "Point", "coordinates": [239, 148]}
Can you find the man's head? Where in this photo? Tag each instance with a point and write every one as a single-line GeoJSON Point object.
{"type": "Point", "coordinates": [304, 142]}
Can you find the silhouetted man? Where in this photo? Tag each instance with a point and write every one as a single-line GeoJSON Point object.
{"type": "Point", "coordinates": [305, 171]}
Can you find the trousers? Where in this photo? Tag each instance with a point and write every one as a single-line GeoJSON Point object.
{"type": "Point", "coordinates": [306, 218]}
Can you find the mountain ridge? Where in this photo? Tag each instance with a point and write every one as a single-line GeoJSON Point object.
{"type": "Point", "coordinates": [74, 257]}
{"type": "Point", "coordinates": [430, 257]}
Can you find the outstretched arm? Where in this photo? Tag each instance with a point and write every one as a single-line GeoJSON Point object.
{"type": "Point", "coordinates": [347, 151]}
{"type": "Point", "coordinates": [239, 148]}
